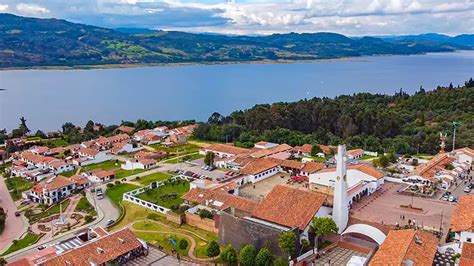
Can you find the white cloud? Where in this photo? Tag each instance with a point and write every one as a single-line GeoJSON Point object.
{"type": "Point", "coordinates": [31, 9]}
{"type": "Point", "coordinates": [3, 8]}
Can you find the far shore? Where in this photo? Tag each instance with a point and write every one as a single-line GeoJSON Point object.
{"type": "Point", "coordinates": [260, 62]}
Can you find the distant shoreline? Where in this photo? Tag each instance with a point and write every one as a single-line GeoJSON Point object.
{"type": "Point", "coordinates": [259, 62]}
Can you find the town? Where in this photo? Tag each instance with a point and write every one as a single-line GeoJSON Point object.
{"type": "Point", "coordinates": [160, 196]}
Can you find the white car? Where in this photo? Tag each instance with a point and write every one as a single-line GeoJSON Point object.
{"type": "Point", "coordinates": [467, 189]}
{"type": "Point", "coordinates": [452, 199]}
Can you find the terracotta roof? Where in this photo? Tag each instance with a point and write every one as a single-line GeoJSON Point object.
{"type": "Point", "coordinates": [118, 138]}
{"type": "Point", "coordinates": [463, 215]}
{"type": "Point", "coordinates": [88, 151]}
{"type": "Point", "coordinates": [365, 168]}
{"type": "Point", "coordinates": [433, 166]}
{"type": "Point", "coordinates": [401, 246]}
{"type": "Point", "coordinates": [102, 174]}
{"type": "Point", "coordinates": [229, 149]}
{"type": "Point", "coordinates": [306, 148]}
{"type": "Point", "coordinates": [99, 251]}
{"type": "Point", "coordinates": [257, 166]}
{"type": "Point", "coordinates": [201, 196]}
{"type": "Point", "coordinates": [312, 167]}
{"type": "Point", "coordinates": [466, 150]}
{"type": "Point", "coordinates": [467, 254]}
{"type": "Point", "coordinates": [327, 149]}
{"type": "Point", "coordinates": [35, 158]}
{"type": "Point", "coordinates": [57, 150]}
{"type": "Point", "coordinates": [58, 163]}
{"type": "Point", "coordinates": [355, 152]}
{"type": "Point", "coordinates": [53, 183]}
{"type": "Point", "coordinates": [270, 151]}
{"type": "Point", "coordinates": [287, 163]}
{"type": "Point", "coordinates": [147, 161]}
{"type": "Point", "coordinates": [290, 207]}
{"type": "Point", "coordinates": [262, 143]}
{"type": "Point", "coordinates": [126, 129]}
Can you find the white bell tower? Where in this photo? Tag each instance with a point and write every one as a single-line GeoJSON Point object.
{"type": "Point", "coordinates": [340, 211]}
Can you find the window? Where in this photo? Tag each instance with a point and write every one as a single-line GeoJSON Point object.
{"type": "Point", "coordinates": [469, 239]}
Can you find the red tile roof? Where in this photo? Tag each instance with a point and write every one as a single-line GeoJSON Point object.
{"type": "Point", "coordinates": [312, 167]}
{"type": "Point", "coordinates": [99, 251]}
{"type": "Point", "coordinates": [52, 183]}
{"type": "Point", "coordinates": [79, 180]}
{"type": "Point", "coordinates": [103, 174]}
{"type": "Point", "coordinates": [225, 148]}
{"type": "Point", "coordinates": [201, 196]}
{"type": "Point", "coordinates": [306, 148]}
{"type": "Point", "coordinates": [88, 151]}
{"type": "Point", "coordinates": [270, 151]}
{"type": "Point", "coordinates": [355, 152]}
{"type": "Point", "coordinates": [434, 165]}
{"type": "Point", "coordinates": [364, 168]}
{"type": "Point", "coordinates": [257, 166]}
{"type": "Point", "coordinates": [290, 207]}
{"type": "Point", "coordinates": [463, 215]}
{"type": "Point", "coordinates": [401, 246]}
{"type": "Point", "coordinates": [467, 254]}
{"type": "Point", "coordinates": [126, 129]}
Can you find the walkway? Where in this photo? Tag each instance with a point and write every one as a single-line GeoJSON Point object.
{"type": "Point", "coordinates": [158, 257]}
{"type": "Point", "coordinates": [14, 226]}
{"type": "Point", "coordinates": [176, 231]}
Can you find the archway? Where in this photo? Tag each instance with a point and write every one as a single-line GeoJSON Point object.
{"type": "Point", "coordinates": [367, 230]}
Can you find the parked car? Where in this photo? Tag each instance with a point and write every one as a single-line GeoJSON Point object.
{"type": "Point", "coordinates": [17, 214]}
{"type": "Point", "coordinates": [41, 247]}
{"type": "Point", "coordinates": [109, 222]}
{"type": "Point", "coordinates": [445, 197]}
{"type": "Point", "coordinates": [452, 199]}
{"type": "Point", "coordinates": [467, 189]}
{"type": "Point", "coordinates": [100, 193]}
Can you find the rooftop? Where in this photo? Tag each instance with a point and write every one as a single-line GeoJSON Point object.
{"type": "Point", "coordinates": [257, 166]}
{"type": "Point", "coordinates": [203, 196]}
{"type": "Point", "coordinates": [229, 149]}
{"type": "Point", "coordinates": [463, 215]}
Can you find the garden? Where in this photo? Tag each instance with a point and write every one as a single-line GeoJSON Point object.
{"type": "Point", "coordinates": [16, 185]}
{"type": "Point", "coordinates": [167, 195]}
{"type": "Point", "coordinates": [148, 179]}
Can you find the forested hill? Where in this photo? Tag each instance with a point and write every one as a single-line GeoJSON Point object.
{"type": "Point", "coordinates": [400, 123]}
{"type": "Point", "coordinates": [32, 42]}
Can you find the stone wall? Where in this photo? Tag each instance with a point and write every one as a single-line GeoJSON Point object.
{"type": "Point", "coordinates": [175, 218]}
{"type": "Point", "coordinates": [205, 224]}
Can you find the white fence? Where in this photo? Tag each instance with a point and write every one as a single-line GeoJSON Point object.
{"type": "Point", "coordinates": [131, 195]}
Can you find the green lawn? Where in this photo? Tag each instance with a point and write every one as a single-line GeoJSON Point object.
{"type": "Point", "coordinates": [3, 166]}
{"type": "Point", "coordinates": [316, 158]}
{"type": "Point", "coordinates": [52, 210]}
{"type": "Point", "coordinates": [68, 173]}
{"type": "Point", "coordinates": [86, 207]}
{"type": "Point", "coordinates": [116, 192]}
{"type": "Point", "coordinates": [54, 143]}
{"type": "Point", "coordinates": [182, 149]}
{"type": "Point", "coordinates": [190, 157]}
{"type": "Point", "coordinates": [157, 195]}
{"type": "Point", "coordinates": [16, 185]}
{"type": "Point", "coordinates": [121, 173]}
{"type": "Point", "coordinates": [164, 240]}
{"type": "Point", "coordinates": [107, 165]}
{"type": "Point", "coordinates": [148, 179]}
{"type": "Point", "coordinates": [27, 240]}
{"type": "Point", "coordinates": [367, 157]}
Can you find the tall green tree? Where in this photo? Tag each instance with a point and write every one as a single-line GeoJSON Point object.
{"type": "Point", "coordinates": [264, 258]}
{"type": "Point", "coordinates": [287, 242]}
{"type": "Point", "coordinates": [323, 226]}
{"type": "Point", "coordinates": [213, 249]}
{"type": "Point", "coordinates": [229, 255]}
{"type": "Point", "coordinates": [315, 149]}
{"type": "Point", "coordinates": [247, 255]}
{"type": "Point", "coordinates": [23, 127]}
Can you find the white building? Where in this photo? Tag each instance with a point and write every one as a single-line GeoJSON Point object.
{"type": "Point", "coordinates": [138, 164]}
{"type": "Point", "coordinates": [258, 169]}
{"type": "Point", "coordinates": [465, 155]}
{"type": "Point", "coordinates": [51, 190]}
{"type": "Point", "coordinates": [224, 150]}
{"type": "Point", "coordinates": [89, 156]}
{"type": "Point", "coordinates": [462, 220]}
{"type": "Point", "coordinates": [264, 145]}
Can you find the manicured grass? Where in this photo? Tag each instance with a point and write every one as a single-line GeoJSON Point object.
{"type": "Point", "coordinates": [54, 143]}
{"type": "Point", "coordinates": [3, 166]}
{"type": "Point", "coordinates": [133, 213]}
{"type": "Point", "coordinates": [367, 157]}
{"type": "Point", "coordinates": [182, 149]}
{"type": "Point", "coordinates": [28, 240]}
{"type": "Point", "coordinates": [164, 240]}
{"type": "Point", "coordinates": [52, 210]}
{"type": "Point", "coordinates": [69, 173]}
{"type": "Point", "coordinates": [33, 138]}
{"type": "Point", "coordinates": [86, 207]}
{"type": "Point", "coordinates": [157, 195]}
{"type": "Point", "coordinates": [16, 185]}
{"type": "Point", "coordinates": [116, 192]}
{"type": "Point", "coordinates": [148, 179]}
{"type": "Point", "coordinates": [316, 158]}
{"type": "Point", "coordinates": [107, 165]}
{"type": "Point", "coordinates": [121, 173]}
{"type": "Point", "coordinates": [422, 156]}
{"type": "Point", "coordinates": [190, 157]}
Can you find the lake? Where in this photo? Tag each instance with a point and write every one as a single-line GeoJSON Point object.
{"type": "Point", "coordinates": [48, 98]}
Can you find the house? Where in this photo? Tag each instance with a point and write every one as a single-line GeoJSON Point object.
{"type": "Point", "coordinates": [90, 156]}
{"type": "Point", "coordinates": [462, 220]}
{"type": "Point", "coordinates": [125, 129]}
{"type": "Point", "coordinates": [61, 166]}
{"type": "Point", "coordinates": [355, 154]}
{"type": "Point", "coordinates": [465, 155]}
{"type": "Point", "coordinates": [150, 155]}
{"type": "Point", "coordinates": [302, 151]}
{"type": "Point", "coordinates": [39, 150]}
{"type": "Point", "coordinates": [124, 147]}
{"type": "Point", "coordinates": [146, 134]}
{"type": "Point", "coordinates": [362, 179]}
{"type": "Point", "coordinates": [264, 145]}
{"type": "Point", "coordinates": [224, 150]}
{"type": "Point", "coordinates": [280, 152]}
{"type": "Point", "coordinates": [81, 181]}
{"type": "Point", "coordinates": [258, 169]}
{"type": "Point", "coordinates": [150, 139]}
{"type": "Point", "coordinates": [116, 248]}
{"type": "Point", "coordinates": [51, 191]}
{"type": "Point", "coordinates": [101, 176]}
{"type": "Point", "coordinates": [328, 150]}
{"type": "Point", "coordinates": [177, 138]}
{"type": "Point", "coordinates": [138, 164]}
{"type": "Point", "coordinates": [406, 247]}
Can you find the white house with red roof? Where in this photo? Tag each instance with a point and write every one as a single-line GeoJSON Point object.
{"type": "Point", "coordinates": [465, 155]}
{"type": "Point", "coordinates": [131, 164]}
{"type": "Point", "coordinates": [90, 156]}
{"type": "Point", "coordinates": [51, 191]}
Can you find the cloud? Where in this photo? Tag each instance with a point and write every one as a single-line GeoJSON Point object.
{"type": "Point", "coordinates": [31, 9]}
{"type": "Point", "coordinates": [3, 8]}
{"type": "Point", "coordinates": [351, 17]}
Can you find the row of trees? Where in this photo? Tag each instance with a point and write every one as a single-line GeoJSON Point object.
{"type": "Point", "coordinates": [400, 123]}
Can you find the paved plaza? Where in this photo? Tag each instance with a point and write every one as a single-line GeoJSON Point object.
{"type": "Point", "coordinates": [338, 256]}
{"type": "Point", "coordinates": [384, 207]}
{"type": "Point", "coordinates": [157, 257]}
{"type": "Point", "coordinates": [260, 189]}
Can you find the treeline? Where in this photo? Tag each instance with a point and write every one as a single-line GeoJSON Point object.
{"type": "Point", "coordinates": [400, 123]}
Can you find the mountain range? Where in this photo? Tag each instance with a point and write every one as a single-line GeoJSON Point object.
{"type": "Point", "coordinates": [34, 42]}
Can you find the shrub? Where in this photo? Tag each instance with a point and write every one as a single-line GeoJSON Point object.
{"type": "Point", "coordinates": [88, 219]}
{"type": "Point", "coordinates": [137, 178]}
{"type": "Point", "coordinates": [204, 213]}
{"type": "Point", "coordinates": [110, 185]}
{"type": "Point", "coordinates": [247, 255]}
{"type": "Point", "coordinates": [117, 182]}
{"type": "Point", "coordinates": [264, 258]}
{"type": "Point", "coordinates": [183, 244]}
{"type": "Point", "coordinates": [213, 249]}
{"type": "Point", "coordinates": [280, 262]}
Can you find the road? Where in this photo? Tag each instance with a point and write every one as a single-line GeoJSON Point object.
{"type": "Point", "coordinates": [14, 226]}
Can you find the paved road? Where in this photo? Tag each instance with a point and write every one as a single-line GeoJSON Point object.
{"type": "Point", "coordinates": [14, 226]}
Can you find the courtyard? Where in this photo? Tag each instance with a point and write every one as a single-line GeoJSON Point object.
{"type": "Point", "coordinates": [384, 206]}
{"type": "Point", "coordinates": [260, 189]}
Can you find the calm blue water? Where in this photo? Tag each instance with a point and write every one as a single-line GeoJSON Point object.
{"type": "Point", "coordinates": [48, 98]}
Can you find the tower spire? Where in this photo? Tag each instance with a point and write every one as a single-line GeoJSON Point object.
{"type": "Point", "coordinates": [340, 210]}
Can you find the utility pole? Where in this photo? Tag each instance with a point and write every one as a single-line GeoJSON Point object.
{"type": "Point", "coordinates": [441, 222]}
{"type": "Point", "coordinates": [455, 126]}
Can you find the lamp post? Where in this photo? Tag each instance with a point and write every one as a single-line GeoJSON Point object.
{"type": "Point", "coordinates": [455, 126]}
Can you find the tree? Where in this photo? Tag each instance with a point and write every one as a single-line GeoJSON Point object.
{"type": "Point", "coordinates": [315, 150]}
{"type": "Point", "coordinates": [287, 242]}
{"type": "Point", "coordinates": [247, 255]}
{"type": "Point", "coordinates": [216, 118]}
{"type": "Point", "coordinates": [23, 127]}
{"type": "Point", "coordinates": [3, 217]}
{"type": "Point", "coordinates": [264, 258]}
{"type": "Point", "coordinates": [280, 262]}
{"type": "Point", "coordinates": [209, 158]}
{"type": "Point", "coordinates": [229, 255]}
{"type": "Point", "coordinates": [212, 249]}
{"type": "Point", "coordinates": [68, 127]}
{"type": "Point", "coordinates": [183, 244]}
{"type": "Point", "coordinates": [382, 161]}
{"type": "Point", "coordinates": [204, 213]}
{"type": "Point", "coordinates": [40, 134]}
{"type": "Point", "coordinates": [3, 136]}
{"type": "Point", "coordinates": [323, 226]}
{"type": "Point", "coordinates": [89, 128]}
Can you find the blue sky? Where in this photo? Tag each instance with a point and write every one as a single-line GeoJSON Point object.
{"type": "Point", "coordinates": [350, 17]}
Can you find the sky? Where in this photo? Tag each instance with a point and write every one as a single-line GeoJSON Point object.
{"type": "Point", "coordinates": [349, 17]}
